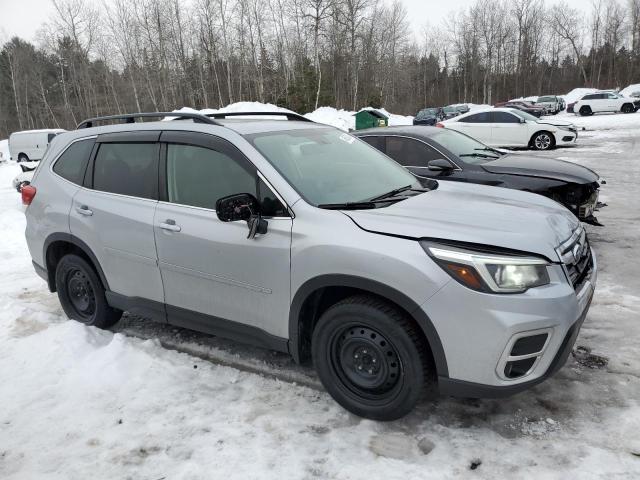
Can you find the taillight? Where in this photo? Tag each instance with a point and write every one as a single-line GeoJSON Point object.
{"type": "Point", "coordinates": [440, 125]}
{"type": "Point", "coordinates": [28, 193]}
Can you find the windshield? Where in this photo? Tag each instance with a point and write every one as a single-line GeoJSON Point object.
{"type": "Point", "coordinates": [449, 109]}
{"type": "Point", "coordinates": [327, 166]}
{"type": "Point", "coordinates": [427, 112]}
{"type": "Point", "coordinates": [464, 146]}
{"type": "Point", "coordinates": [525, 115]}
{"type": "Point", "coordinates": [546, 99]}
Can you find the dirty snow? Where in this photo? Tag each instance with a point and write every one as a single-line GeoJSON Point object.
{"type": "Point", "coordinates": [81, 403]}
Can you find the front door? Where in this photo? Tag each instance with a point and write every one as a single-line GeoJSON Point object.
{"type": "Point", "coordinates": [508, 131]}
{"type": "Point", "coordinates": [215, 278]}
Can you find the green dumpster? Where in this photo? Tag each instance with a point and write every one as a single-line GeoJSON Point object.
{"type": "Point", "coordinates": [371, 119]}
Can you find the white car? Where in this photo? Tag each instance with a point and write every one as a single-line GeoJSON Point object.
{"type": "Point", "coordinates": [24, 177]}
{"type": "Point", "coordinates": [605, 102]}
{"type": "Point", "coordinates": [511, 128]}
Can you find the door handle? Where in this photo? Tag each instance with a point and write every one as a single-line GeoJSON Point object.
{"type": "Point", "coordinates": [84, 210]}
{"type": "Point", "coordinates": [170, 225]}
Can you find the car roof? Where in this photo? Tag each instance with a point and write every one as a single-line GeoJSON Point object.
{"type": "Point", "coordinates": [238, 125]}
{"type": "Point", "coordinates": [409, 130]}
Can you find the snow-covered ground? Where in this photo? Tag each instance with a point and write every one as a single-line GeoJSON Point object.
{"type": "Point", "coordinates": [4, 151]}
{"type": "Point", "coordinates": [79, 403]}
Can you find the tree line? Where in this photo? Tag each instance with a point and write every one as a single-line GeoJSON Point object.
{"type": "Point", "coordinates": [156, 55]}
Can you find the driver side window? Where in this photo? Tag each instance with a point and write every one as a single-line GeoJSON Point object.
{"type": "Point", "coordinates": [410, 153]}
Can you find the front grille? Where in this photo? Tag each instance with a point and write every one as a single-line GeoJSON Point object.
{"type": "Point", "coordinates": [576, 257]}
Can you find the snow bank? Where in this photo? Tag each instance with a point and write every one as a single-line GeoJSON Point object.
{"type": "Point", "coordinates": [4, 149]}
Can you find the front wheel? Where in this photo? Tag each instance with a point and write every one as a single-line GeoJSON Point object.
{"type": "Point", "coordinates": [628, 108]}
{"type": "Point", "coordinates": [585, 111]}
{"type": "Point", "coordinates": [23, 158]}
{"type": "Point", "coordinates": [371, 358]}
{"type": "Point", "coordinates": [81, 293]}
{"type": "Point", "coordinates": [543, 141]}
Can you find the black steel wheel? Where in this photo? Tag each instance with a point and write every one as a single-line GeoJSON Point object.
{"type": "Point", "coordinates": [371, 358]}
{"type": "Point", "coordinates": [82, 294]}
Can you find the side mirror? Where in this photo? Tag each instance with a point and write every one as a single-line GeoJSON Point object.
{"type": "Point", "coordinates": [242, 206]}
{"type": "Point", "coordinates": [522, 120]}
{"type": "Point", "coordinates": [237, 207]}
{"type": "Point", "coordinates": [439, 165]}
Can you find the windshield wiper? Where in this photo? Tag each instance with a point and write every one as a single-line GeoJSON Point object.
{"type": "Point", "coordinates": [355, 205]}
{"type": "Point", "coordinates": [489, 149]}
{"type": "Point", "coordinates": [392, 193]}
{"type": "Point", "coordinates": [481, 155]}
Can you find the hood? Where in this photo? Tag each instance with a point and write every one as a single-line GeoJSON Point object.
{"type": "Point", "coordinates": [541, 167]}
{"type": "Point", "coordinates": [555, 122]}
{"type": "Point", "coordinates": [477, 214]}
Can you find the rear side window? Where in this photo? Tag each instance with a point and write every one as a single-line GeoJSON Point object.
{"type": "Point", "coordinates": [484, 117]}
{"type": "Point", "coordinates": [72, 164]}
{"type": "Point", "coordinates": [199, 176]}
{"type": "Point", "coordinates": [50, 137]}
{"type": "Point", "coordinates": [127, 169]}
{"type": "Point", "coordinates": [376, 142]}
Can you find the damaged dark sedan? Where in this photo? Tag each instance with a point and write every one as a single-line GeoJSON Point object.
{"type": "Point", "coordinates": [444, 154]}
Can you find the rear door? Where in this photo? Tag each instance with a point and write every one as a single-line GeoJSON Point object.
{"type": "Point", "coordinates": [113, 214]}
{"type": "Point", "coordinates": [213, 273]}
{"type": "Point", "coordinates": [508, 131]}
{"type": "Point", "coordinates": [477, 126]}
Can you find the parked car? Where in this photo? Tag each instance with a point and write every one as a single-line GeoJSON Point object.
{"type": "Point", "coordinates": [25, 176]}
{"type": "Point", "coordinates": [427, 116]}
{"type": "Point", "coordinates": [462, 108]}
{"type": "Point", "coordinates": [605, 102]}
{"type": "Point", "coordinates": [301, 238]}
{"type": "Point", "coordinates": [551, 103]}
{"type": "Point", "coordinates": [449, 112]}
{"type": "Point", "coordinates": [507, 127]}
{"type": "Point", "coordinates": [523, 106]}
{"type": "Point", "coordinates": [443, 154]}
{"type": "Point", "coordinates": [31, 144]}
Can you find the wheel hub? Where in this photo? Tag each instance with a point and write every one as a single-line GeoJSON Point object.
{"type": "Point", "coordinates": [367, 360]}
{"type": "Point", "coordinates": [81, 293]}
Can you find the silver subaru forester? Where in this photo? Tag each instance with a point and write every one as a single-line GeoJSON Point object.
{"type": "Point", "coordinates": [298, 237]}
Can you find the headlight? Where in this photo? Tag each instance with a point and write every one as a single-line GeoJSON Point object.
{"type": "Point", "coordinates": [488, 272]}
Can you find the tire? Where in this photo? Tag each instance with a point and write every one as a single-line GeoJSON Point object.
{"type": "Point", "coordinates": [81, 293]}
{"type": "Point", "coordinates": [628, 108]}
{"type": "Point", "coordinates": [585, 110]}
{"type": "Point", "coordinates": [543, 141]}
{"type": "Point", "coordinates": [23, 157]}
{"type": "Point", "coordinates": [371, 358]}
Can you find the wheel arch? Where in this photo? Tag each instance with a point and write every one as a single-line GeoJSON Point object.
{"type": "Point", "coordinates": [317, 294]}
{"type": "Point", "coordinates": [57, 245]}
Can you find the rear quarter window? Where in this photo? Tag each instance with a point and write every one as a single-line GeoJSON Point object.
{"type": "Point", "coordinates": [72, 164]}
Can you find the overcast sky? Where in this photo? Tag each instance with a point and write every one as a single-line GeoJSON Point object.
{"type": "Point", "coordinates": [23, 17]}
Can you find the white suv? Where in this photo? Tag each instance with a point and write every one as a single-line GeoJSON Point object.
{"type": "Point", "coordinates": [604, 102]}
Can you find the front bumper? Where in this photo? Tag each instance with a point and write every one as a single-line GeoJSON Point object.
{"type": "Point", "coordinates": [474, 336]}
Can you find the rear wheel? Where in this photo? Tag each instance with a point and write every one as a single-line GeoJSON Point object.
{"type": "Point", "coordinates": [543, 141]}
{"type": "Point", "coordinates": [81, 293]}
{"type": "Point", "coordinates": [628, 108]}
{"type": "Point", "coordinates": [371, 358]}
{"type": "Point", "coordinates": [585, 110]}
{"type": "Point", "coordinates": [23, 157]}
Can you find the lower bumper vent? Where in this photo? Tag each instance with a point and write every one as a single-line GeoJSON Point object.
{"type": "Point", "coordinates": [522, 354]}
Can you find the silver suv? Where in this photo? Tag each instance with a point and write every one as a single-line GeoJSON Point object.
{"type": "Point", "coordinates": [301, 238]}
